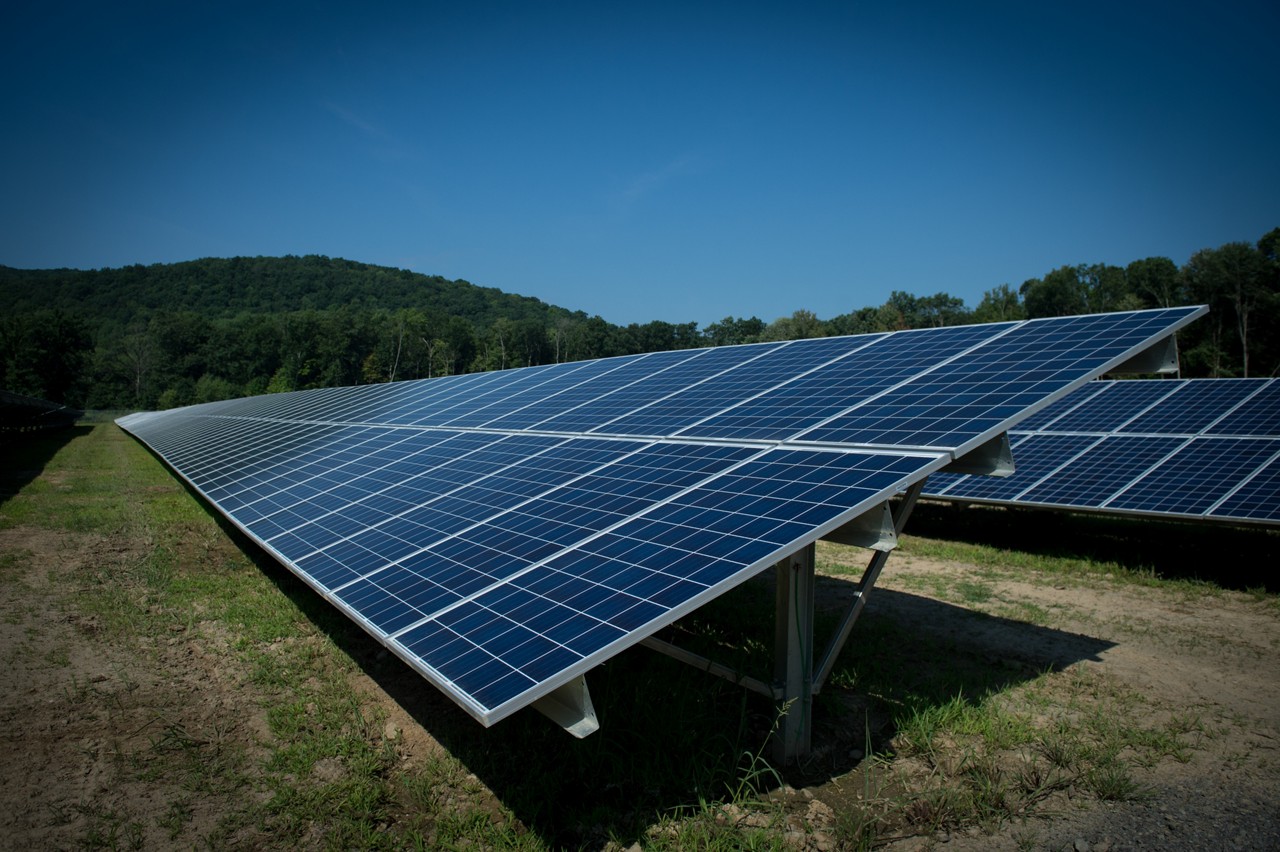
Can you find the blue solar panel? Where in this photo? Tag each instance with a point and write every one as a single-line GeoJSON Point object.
{"type": "Point", "coordinates": [1157, 447]}
{"type": "Point", "coordinates": [641, 575]}
{"type": "Point", "coordinates": [1110, 467]}
{"type": "Point", "coordinates": [1050, 413]}
{"type": "Point", "coordinates": [753, 375]}
{"type": "Point", "coordinates": [505, 532]}
{"type": "Point", "coordinates": [830, 389]}
{"type": "Point", "coordinates": [967, 399]}
{"type": "Point", "coordinates": [576, 386]}
{"type": "Point", "coordinates": [1117, 404]}
{"type": "Point", "coordinates": [681, 378]}
{"type": "Point", "coordinates": [1257, 498]}
{"type": "Point", "coordinates": [1194, 407]}
{"type": "Point", "coordinates": [1036, 456]}
{"type": "Point", "coordinates": [1257, 416]}
{"type": "Point", "coordinates": [1195, 477]}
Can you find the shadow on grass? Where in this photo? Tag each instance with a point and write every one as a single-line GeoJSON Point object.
{"type": "Point", "coordinates": [672, 737]}
{"type": "Point", "coordinates": [1233, 557]}
{"type": "Point", "coordinates": [23, 455]}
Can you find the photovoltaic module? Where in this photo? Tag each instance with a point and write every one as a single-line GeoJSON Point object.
{"type": "Point", "coordinates": [1203, 449]}
{"type": "Point", "coordinates": [505, 532]}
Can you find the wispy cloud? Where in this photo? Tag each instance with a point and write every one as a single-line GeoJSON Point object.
{"type": "Point", "coordinates": [382, 145]}
{"type": "Point", "coordinates": [359, 123]}
{"type": "Point", "coordinates": [647, 183]}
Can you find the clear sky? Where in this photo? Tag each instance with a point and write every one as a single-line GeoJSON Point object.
{"type": "Point", "coordinates": [676, 161]}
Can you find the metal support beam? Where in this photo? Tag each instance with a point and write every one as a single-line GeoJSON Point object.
{"type": "Point", "coordinates": [793, 653]}
{"type": "Point", "coordinates": [873, 529]}
{"type": "Point", "coordinates": [570, 707]}
{"type": "Point", "coordinates": [994, 458]}
{"type": "Point", "coordinates": [1159, 357]}
{"type": "Point", "coordinates": [869, 577]}
{"type": "Point", "coordinates": [796, 680]}
{"type": "Point", "coordinates": [718, 669]}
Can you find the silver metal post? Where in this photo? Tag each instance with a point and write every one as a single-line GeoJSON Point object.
{"type": "Point", "coordinates": [793, 654]}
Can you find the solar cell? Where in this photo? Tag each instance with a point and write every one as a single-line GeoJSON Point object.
{"type": "Point", "coordinates": [1054, 410]}
{"type": "Point", "coordinates": [831, 388]}
{"type": "Point", "coordinates": [505, 532]}
{"type": "Point", "coordinates": [599, 413]}
{"type": "Point", "coordinates": [1108, 468]}
{"type": "Point", "coordinates": [750, 377]}
{"type": "Point", "coordinates": [650, 570]}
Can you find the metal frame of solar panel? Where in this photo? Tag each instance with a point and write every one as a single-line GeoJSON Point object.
{"type": "Point", "coordinates": [1194, 449]}
{"type": "Point", "coordinates": [20, 414]}
{"type": "Point", "coordinates": [503, 533]}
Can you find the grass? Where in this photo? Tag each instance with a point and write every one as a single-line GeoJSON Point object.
{"type": "Point", "coordinates": [1085, 548]}
{"type": "Point", "coordinates": [310, 755]}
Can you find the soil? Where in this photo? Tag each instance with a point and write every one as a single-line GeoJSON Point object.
{"type": "Point", "coordinates": [76, 708]}
{"type": "Point", "coordinates": [1215, 656]}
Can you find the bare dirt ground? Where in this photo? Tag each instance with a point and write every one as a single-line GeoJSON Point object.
{"type": "Point", "coordinates": [77, 711]}
{"type": "Point", "coordinates": [1214, 656]}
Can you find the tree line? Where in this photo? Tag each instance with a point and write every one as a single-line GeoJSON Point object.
{"type": "Point", "coordinates": [166, 335]}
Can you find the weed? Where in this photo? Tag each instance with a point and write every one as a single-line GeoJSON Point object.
{"type": "Point", "coordinates": [1111, 781]}
{"type": "Point", "coordinates": [974, 592]}
{"type": "Point", "coordinates": [109, 829]}
{"type": "Point", "coordinates": [176, 818]}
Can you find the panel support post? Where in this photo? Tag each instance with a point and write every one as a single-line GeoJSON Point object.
{"type": "Point", "coordinates": [793, 654]}
{"type": "Point", "coordinates": [570, 707]}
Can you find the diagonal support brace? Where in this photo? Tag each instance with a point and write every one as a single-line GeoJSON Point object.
{"type": "Point", "coordinates": [869, 577]}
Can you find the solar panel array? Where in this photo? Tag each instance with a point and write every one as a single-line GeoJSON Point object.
{"type": "Point", "coordinates": [505, 532]}
{"type": "Point", "coordinates": [1189, 448]}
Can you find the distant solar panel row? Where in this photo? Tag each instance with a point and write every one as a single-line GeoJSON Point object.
{"type": "Point", "coordinates": [505, 532]}
{"type": "Point", "coordinates": [1193, 448]}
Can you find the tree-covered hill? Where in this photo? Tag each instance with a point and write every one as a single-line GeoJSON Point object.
{"type": "Point", "coordinates": [148, 337]}
{"type": "Point", "coordinates": [226, 287]}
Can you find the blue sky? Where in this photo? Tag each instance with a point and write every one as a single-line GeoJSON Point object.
{"type": "Point", "coordinates": [674, 161]}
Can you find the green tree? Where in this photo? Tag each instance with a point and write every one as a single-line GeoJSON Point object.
{"type": "Point", "coordinates": [800, 325]}
{"type": "Point", "coordinates": [1156, 280]}
{"type": "Point", "coordinates": [732, 331]}
{"type": "Point", "coordinates": [1106, 289]}
{"type": "Point", "coordinates": [940, 309]}
{"type": "Point", "coordinates": [1060, 293]}
{"type": "Point", "coordinates": [999, 304]}
{"type": "Point", "coordinates": [45, 354]}
{"type": "Point", "coordinates": [1236, 276]}
{"type": "Point", "coordinates": [496, 350]}
{"type": "Point", "coordinates": [1267, 329]}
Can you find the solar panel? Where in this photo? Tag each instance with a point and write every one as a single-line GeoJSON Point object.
{"type": "Point", "coordinates": [505, 532]}
{"type": "Point", "coordinates": [1189, 448]}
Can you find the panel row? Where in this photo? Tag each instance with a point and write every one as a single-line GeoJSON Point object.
{"type": "Point", "coordinates": [503, 532]}
{"type": "Point", "coordinates": [945, 388]}
{"type": "Point", "coordinates": [1205, 448]}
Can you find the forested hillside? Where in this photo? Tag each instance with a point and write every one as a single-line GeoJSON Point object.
{"type": "Point", "coordinates": [148, 337]}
